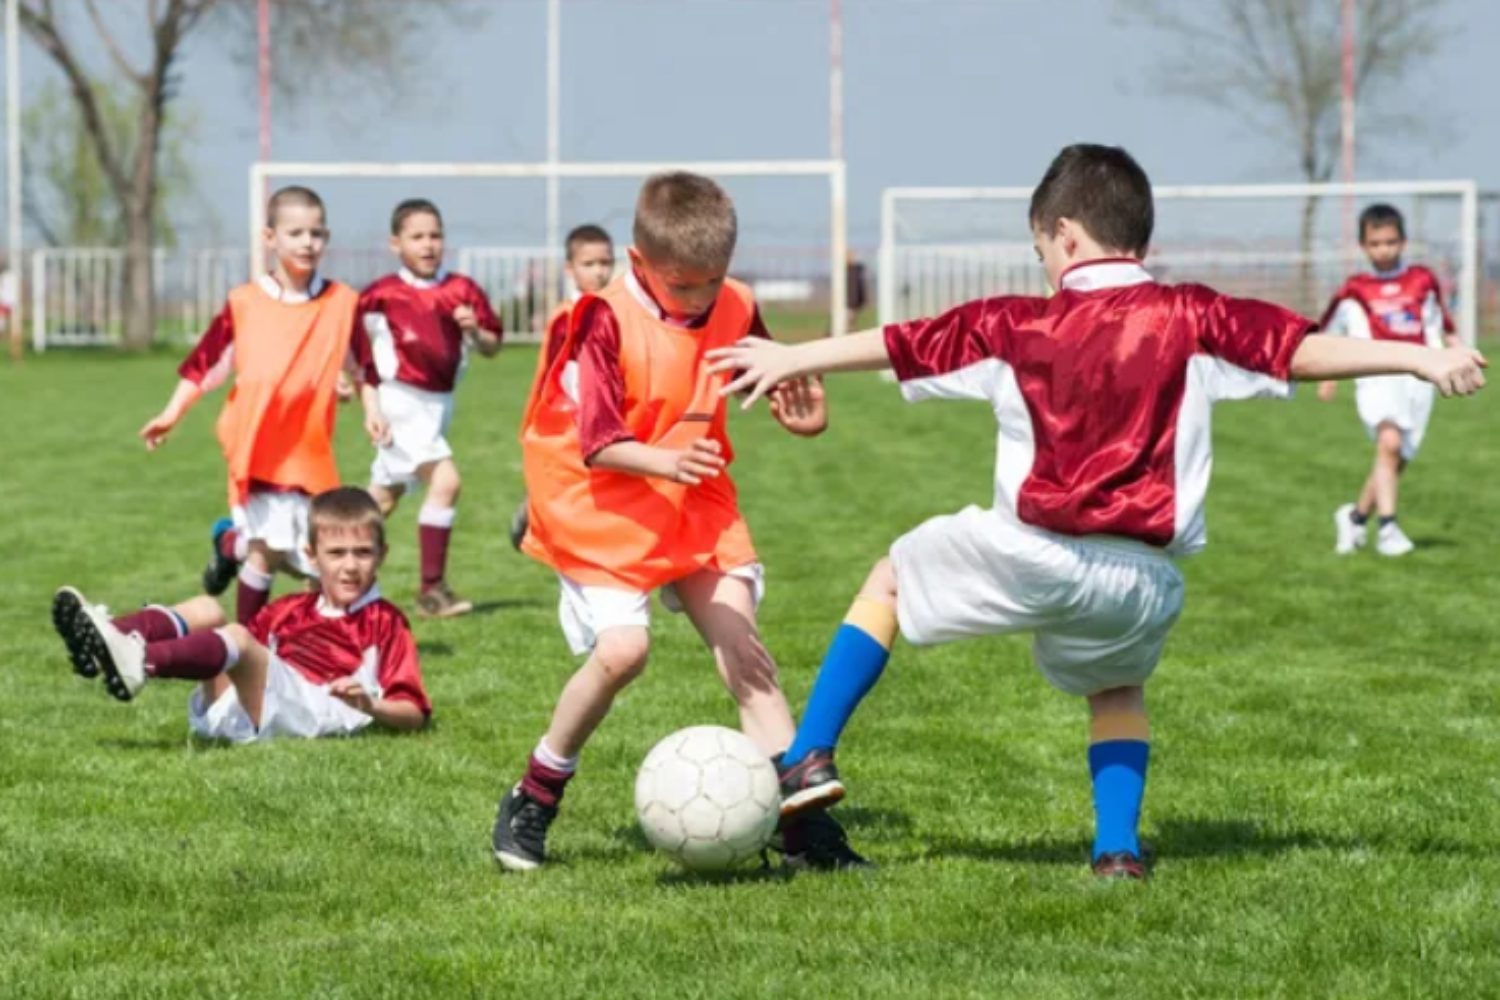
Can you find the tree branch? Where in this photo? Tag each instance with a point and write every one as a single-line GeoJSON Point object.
{"type": "Point", "coordinates": [113, 47]}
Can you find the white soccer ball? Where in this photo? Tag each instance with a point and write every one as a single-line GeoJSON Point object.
{"type": "Point", "coordinates": [708, 797]}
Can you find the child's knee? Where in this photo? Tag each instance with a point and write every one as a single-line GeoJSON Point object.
{"type": "Point", "coordinates": [880, 585]}
{"type": "Point", "coordinates": [444, 483]}
{"type": "Point", "coordinates": [201, 612]}
{"type": "Point", "coordinates": [621, 654]}
{"type": "Point", "coordinates": [1388, 441]}
{"type": "Point", "coordinates": [238, 635]}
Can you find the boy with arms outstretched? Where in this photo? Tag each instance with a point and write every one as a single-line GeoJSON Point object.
{"type": "Point", "coordinates": [321, 663]}
{"type": "Point", "coordinates": [589, 264]}
{"type": "Point", "coordinates": [626, 454]}
{"type": "Point", "coordinates": [1102, 394]}
{"type": "Point", "coordinates": [1395, 302]}
{"type": "Point", "coordinates": [421, 322]}
{"type": "Point", "coordinates": [285, 337]}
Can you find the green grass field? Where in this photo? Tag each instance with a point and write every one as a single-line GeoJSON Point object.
{"type": "Point", "coordinates": [1324, 795]}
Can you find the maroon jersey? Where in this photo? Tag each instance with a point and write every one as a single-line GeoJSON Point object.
{"type": "Point", "coordinates": [601, 382]}
{"type": "Point", "coordinates": [212, 359]}
{"type": "Point", "coordinates": [1401, 305]}
{"type": "Point", "coordinates": [411, 327]}
{"type": "Point", "coordinates": [1102, 393]}
{"type": "Point", "coordinates": [323, 644]}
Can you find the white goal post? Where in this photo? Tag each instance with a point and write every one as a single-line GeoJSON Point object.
{"type": "Point", "coordinates": [261, 173]}
{"type": "Point", "coordinates": [983, 246]}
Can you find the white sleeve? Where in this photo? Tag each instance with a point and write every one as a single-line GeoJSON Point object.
{"type": "Point", "coordinates": [1432, 320]}
{"type": "Point", "coordinates": [1349, 320]}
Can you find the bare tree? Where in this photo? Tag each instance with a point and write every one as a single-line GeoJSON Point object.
{"type": "Point", "coordinates": [352, 39]}
{"type": "Point", "coordinates": [1277, 65]}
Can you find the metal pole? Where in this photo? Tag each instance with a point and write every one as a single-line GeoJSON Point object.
{"type": "Point", "coordinates": [838, 279]}
{"type": "Point", "coordinates": [1346, 123]}
{"type": "Point", "coordinates": [263, 81]}
{"type": "Point", "coordinates": [13, 168]}
{"type": "Point", "coordinates": [835, 80]}
{"type": "Point", "coordinates": [554, 148]}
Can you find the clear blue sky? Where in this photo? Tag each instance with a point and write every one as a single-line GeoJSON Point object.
{"type": "Point", "coordinates": [938, 92]}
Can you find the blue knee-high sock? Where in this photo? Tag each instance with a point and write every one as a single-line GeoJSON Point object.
{"type": "Point", "coordinates": [854, 662]}
{"type": "Point", "coordinates": [1118, 768]}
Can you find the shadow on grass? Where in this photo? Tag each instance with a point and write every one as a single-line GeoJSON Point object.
{"type": "Point", "coordinates": [428, 647]}
{"type": "Point", "coordinates": [1433, 542]}
{"type": "Point", "coordinates": [509, 604]}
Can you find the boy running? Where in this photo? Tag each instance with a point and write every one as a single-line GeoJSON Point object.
{"type": "Point", "coordinates": [421, 322]}
{"type": "Point", "coordinates": [1396, 302]}
{"type": "Point", "coordinates": [286, 337]}
{"type": "Point", "coordinates": [1102, 394]}
{"type": "Point", "coordinates": [322, 663]}
{"type": "Point", "coordinates": [589, 266]}
{"type": "Point", "coordinates": [626, 454]}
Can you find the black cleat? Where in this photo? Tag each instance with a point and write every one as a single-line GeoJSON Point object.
{"type": "Point", "coordinates": [221, 570]}
{"type": "Point", "coordinates": [811, 783]}
{"type": "Point", "coordinates": [1120, 865]}
{"type": "Point", "coordinates": [67, 608]}
{"type": "Point", "coordinates": [520, 521]}
{"type": "Point", "coordinates": [814, 841]}
{"type": "Point", "coordinates": [520, 836]}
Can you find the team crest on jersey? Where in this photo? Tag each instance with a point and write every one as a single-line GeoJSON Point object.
{"type": "Point", "coordinates": [1390, 288]}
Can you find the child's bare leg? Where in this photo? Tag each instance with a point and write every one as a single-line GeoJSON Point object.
{"type": "Point", "coordinates": [618, 658]}
{"type": "Point", "coordinates": [387, 497]}
{"type": "Point", "coordinates": [1387, 469]}
{"type": "Point", "coordinates": [248, 671]}
{"type": "Point", "coordinates": [435, 521]}
{"type": "Point", "coordinates": [722, 608]}
{"type": "Point", "coordinates": [1119, 749]}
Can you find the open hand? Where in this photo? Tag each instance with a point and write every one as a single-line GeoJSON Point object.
{"type": "Point", "coordinates": [352, 693]}
{"type": "Point", "coordinates": [466, 318]}
{"type": "Point", "coordinates": [703, 459]}
{"type": "Point", "coordinates": [343, 388]}
{"type": "Point", "coordinates": [799, 405]}
{"type": "Point", "coordinates": [759, 366]}
{"type": "Point", "coordinates": [1456, 371]}
{"type": "Point", "coordinates": [157, 428]}
{"type": "Point", "coordinates": [378, 428]}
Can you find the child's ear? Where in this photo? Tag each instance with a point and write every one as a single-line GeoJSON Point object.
{"type": "Point", "coordinates": [634, 255]}
{"type": "Point", "coordinates": [395, 244]}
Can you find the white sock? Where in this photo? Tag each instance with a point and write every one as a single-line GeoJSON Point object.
{"type": "Point", "coordinates": [436, 517]}
{"type": "Point", "coordinates": [543, 753]}
{"type": "Point", "coordinates": [254, 578]}
{"type": "Point", "coordinates": [231, 651]}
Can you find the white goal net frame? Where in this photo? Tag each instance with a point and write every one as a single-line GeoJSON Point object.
{"type": "Point", "coordinates": [954, 271]}
{"type": "Point", "coordinates": [262, 173]}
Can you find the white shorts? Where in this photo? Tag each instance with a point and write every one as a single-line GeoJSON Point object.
{"type": "Point", "coordinates": [293, 706]}
{"type": "Point", "coordinates": [418, 420]}
{"type": "Point", "coordinates": [1402, 400]}
{"type": "Point", "coordinates": [586, 610]}
{"type": "Point", "coordinates": [1099, 610]}
{"type": "Point", "coordinates": [280, 521]}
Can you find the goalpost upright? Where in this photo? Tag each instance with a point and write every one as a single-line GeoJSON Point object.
{"type": "Point", "coordinates": [833, 170]}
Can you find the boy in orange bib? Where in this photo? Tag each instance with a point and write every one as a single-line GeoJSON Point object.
{"type": "Point", "coordinates": [626, 454]}
{"type": "Point", "coordinates": [286, 337]}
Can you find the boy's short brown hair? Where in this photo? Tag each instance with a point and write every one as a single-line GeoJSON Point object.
{"type": "Point", "coordinates": [293, 194]}
{"type": "Point", "coordinates": [413, 206]}
{"type": "Point", "coordinates": [1101, 188]}
{"type": "Point", "coordinates": [685, 219]}
{"type": "Point", "coordinates": [347, 507]}
{"type": "Point", "coordinates": [584, 235]}
{"type": "Point", "coordinates": [1381, 214]}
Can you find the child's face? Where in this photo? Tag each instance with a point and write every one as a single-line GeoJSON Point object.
{"type": "Point", "coordinates": [1383, 244]}
{"type": "Point", "coordinates": [298, 239]}
{"type": "Point", "coordinates": [420, 244]}
{"type": "Point", "coordinates": [346, 556]}
{"type": "Point", "coordinates": [684, 292]}
{"type": "Point", "coordinates": [591, 265]}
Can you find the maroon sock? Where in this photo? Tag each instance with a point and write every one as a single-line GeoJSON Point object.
{"type": "Point", "coordinates": [248, 601]}
{"type": "Point", "coordinates": [544, 784]}
{"type": "Point", "coordinates": [153, 622]}
{"type": "Point", "coordinates": [434, 545]}
{"type": "Point", "coordinates": [195, 657]}
{"type": "Point", "coordinates": [227, 542]}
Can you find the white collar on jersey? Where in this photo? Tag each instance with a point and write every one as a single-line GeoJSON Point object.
{"type": "Point", "coordinates": [366, 599]}
{"type": "Point", "coordinates": [1106, 272]}
{"type": "Point", "coordinates": [1390, 275]}
{"type": "Point", "coordinates": [639, 293]}
{"type": "Point", "coordinates": [406, 275]}
{"type": "Point", "coordinates": [273, 288]}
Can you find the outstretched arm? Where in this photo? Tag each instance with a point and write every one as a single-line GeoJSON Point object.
{"type": "Point", "coordinates": [761, 365]}
{"type": "Point", "coordinates": [155, 432]}
{"type": "Point", "coordinates": [1456, 371]}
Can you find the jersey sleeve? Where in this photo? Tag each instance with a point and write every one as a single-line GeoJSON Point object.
{"type": "Point", "coordinates": [1331, 312]}
{"type": "Point", "coordinates": [210, 361]}
{"type": "Point", "coordinates": [1436, 320]}
{"type": "Point", "coordinates": [941, 357]}
{"type": "Point", "coordinates": [601, 382]}
{"type": "Point", "coordinates": [400, 673]}
{"type": "Point", "coordinates": [1256, 336]}
{"type": "Point", "coordinates": [360, 361]}
{"type": "Point", "coordinates": [758, 326]}
{"type": "Point", "coordinates": [484, 313]}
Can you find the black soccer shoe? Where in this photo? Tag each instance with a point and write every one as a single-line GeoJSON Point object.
{"type": "Point", "coordinates": [1122, 865]}
{"type": "Point", "coordinates": [221, 570]}
{"type": "Point", "coordinates": [520, 836]}
{"type": "Point", "coordinates": [814, 841]}
{"type": "Point", "coordinates": [67, 608]}
{"type": "Point", "coordinates": [520, 521]}
{"type": "Point", "coordinates": [811, 783]}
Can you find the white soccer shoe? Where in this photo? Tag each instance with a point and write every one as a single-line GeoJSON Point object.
{"type": "Point", "coordinates": [1348, 536]}
{"type": "Point", "coordinates": [121, 657]}
{"type": "Point", "coordinates": [1390, 540]}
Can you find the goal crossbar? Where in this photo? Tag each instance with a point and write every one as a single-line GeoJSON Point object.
{"type": "Point", "coordinates": [1467, 191]}
{"type": "Point", "coordinates": [262, 172]}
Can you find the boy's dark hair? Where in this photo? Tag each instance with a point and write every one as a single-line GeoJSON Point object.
{"type": "Point", "coordinates": [410, 207]}
{"type": "Point", "coordinates": [685, 219]}
{"type": "Point", "coordinates": [1101, 188]}
{"type": "Point", "coordinates": [1381, 214]}
{"type": "Point", "coordinates": [585, 234]}
{"type": "Point", "coordinates": [345, 506]}
{"type": "Point", "coordinates": [293, 194]}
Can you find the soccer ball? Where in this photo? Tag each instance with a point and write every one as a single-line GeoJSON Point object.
{"type": "Point", "coordinates": [707, 797]}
